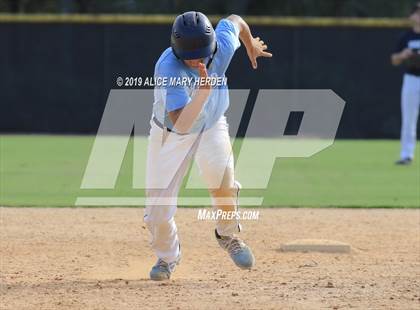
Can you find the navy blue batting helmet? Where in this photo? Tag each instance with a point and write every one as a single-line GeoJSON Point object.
{"type": "Point", "coordinates": [192, 36]}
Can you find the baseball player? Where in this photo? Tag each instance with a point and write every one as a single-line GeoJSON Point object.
{"type": "Point", "coordinates": [407, 53]}
{"type": "Point", "coordinates": [188, 122]}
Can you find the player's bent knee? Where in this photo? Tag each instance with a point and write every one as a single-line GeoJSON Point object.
{"type": "Point", "coordinates": [223, 192]}
{"type": "Point", "coordinates": [159, 214]}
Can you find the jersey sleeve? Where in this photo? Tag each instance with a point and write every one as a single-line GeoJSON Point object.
{"type": "Point", "coordinates": [227, 34]}
{"type": "Point", "coordinates": [174, 97]}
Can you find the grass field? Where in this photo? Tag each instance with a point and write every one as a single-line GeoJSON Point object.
{"type": "Point", "coordinates": [39, 170]}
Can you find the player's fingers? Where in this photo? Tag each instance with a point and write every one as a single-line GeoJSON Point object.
{"type": "Point", "coordinates": [253, 62]}
{"type": "Point", "coordinates": [266, 54]}
{"type": "Point", "coordinates": [264, 47]}
{"type": "Point", "coordinates": [202, 70]}
{"type": "Point", "coordinates": [262, 42]}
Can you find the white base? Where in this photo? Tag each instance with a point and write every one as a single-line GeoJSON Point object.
{"type": "Point", "coordinates": [315, 245]}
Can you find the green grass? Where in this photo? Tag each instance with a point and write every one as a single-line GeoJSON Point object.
{"type": "Point", "coordinates": [41, 170]}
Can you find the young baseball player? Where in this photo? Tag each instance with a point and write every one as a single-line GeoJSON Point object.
{"type": "Point", "coordinates": [188, 122]}
{"type": "Point", "coordinates": [407, 52]}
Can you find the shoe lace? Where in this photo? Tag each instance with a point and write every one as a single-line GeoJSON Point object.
{"type": "Point", "coordinates": [162, 264]}
{"type": "Point", "coordinates": [235, 245]}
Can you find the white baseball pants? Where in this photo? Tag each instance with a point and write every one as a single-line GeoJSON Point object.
{"type": "Point", "coordinates": [167, 164]}
{"type": "Point", "coordinates": [410, 103]}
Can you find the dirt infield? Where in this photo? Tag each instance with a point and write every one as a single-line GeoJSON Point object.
{"type": "Point", "coordinates": [100, 259]}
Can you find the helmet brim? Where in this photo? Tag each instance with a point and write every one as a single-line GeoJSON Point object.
{"type": "Point", "coordinates": [195, 54]}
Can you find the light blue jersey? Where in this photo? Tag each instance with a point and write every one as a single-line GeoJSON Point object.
{"type": "Point", "coordinates": [171, 97]}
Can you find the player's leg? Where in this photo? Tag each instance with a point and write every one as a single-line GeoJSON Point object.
{"type": "Point", "coordinates": [215, 161]}
{"type": "Point", "coordinates": [410, 101]}
{"type": "Point", "coordinates": [162, 187]}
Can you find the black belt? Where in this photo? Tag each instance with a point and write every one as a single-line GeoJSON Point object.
{"type": "Point", "coordinates": [161, 126]}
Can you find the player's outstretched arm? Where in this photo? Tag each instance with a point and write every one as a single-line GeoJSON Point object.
{"type": "Point", "coordinates": [398, 58]}
{"type": "Point", "coordinates": [255, 47]}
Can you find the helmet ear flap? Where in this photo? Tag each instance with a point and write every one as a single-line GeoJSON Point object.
{"type": "Point", "coordinates": [175, 53]}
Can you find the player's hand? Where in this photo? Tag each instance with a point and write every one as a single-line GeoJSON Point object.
{"type": "Point", "coordinates": [406, 53]}
{"type": "Point", "coordinates": [257, 49]}
{"type": "Point", "coordinates": [202, 72]}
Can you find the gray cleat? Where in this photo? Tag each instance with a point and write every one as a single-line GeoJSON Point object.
{"type": "Point", "coordinates": [404, 161]}
{"type": "Point", "coordinates": [163, 270]}
{"type": "Point", "coordinates": [240, 253]}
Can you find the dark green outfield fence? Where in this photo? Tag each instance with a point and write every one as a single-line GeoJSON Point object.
{"type": "Point", "coordinates": [56, 71]}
